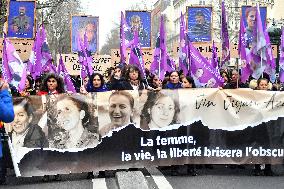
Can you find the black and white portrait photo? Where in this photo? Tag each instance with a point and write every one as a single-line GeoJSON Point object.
{"type": "Point", "coordinates": [24, 130]}
{"type": "Point", "coordinates": [118, 110]}
{"type": "Point", "coordinates": [160, 110]}
{"type": "Point", "coordinates": [70, 121]}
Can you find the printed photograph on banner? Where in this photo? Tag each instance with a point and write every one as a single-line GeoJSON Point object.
{"type": "Point", "coordinates": [21, 19]}
{"type": "Point", "coordinates": [81, 25]}
{"type": "Point", "coordinates": [159, 110]}
{"type": "Point", "coordinates": [248, 14]}
{"type": "Point", "coordinates": [24, 131]}
{"type": "Point", "coordinates": [117, 109]}
{"type": "Point", "coordinates": [199, 23]}
{"type": "Point", "coordinates": [72, 122]}
{"type": "Point", "coordinates": [140, 21]}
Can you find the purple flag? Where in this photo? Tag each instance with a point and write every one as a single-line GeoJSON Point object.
{"type": "Point", "coordinates": [203, 73]}
{"type": "Point", "coordinates": [123, 26]}
{"type": "Point", "coordinates": [22, 83]}
{"type": "Point", "coordinates": [136, 55]}
{"type": "Point", "coordinates": [85, 57]}
{"type": "Point", "coordinates": [281, 61]}
{"type": "Point", "coordinates": [13, 67]}
{"type": "Point", "coordinates": [270, 68]}
{"type": "Point", "coordinates": [243, 53]}
{"type": "Point", "coordinates": [7, 75]}
{"type": "Point", "coordinates": [162, 61]}
{"type": "Point", "coordinates": [225, 37]}
{"type": "Point", "coordinates": [214, 59]}
{"type": "Point", "coordinates": [183, 48]}
{"type": "Point", "coordinates": [40, 58]}
{"type": "Point", "coordinates": [64, 73]}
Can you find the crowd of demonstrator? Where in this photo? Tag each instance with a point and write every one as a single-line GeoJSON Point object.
{"type": "Point", "coordinates": [129, 77]}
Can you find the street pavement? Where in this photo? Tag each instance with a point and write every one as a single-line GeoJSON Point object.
{"type": "Point", "coordinates": [220, 177]}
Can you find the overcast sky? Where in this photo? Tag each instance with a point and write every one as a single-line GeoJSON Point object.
{"type": "Point", "coordinates": [109, 13]}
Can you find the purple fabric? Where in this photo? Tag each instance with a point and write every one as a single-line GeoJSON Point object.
{"type": "Point", "coordinates": [259, 48]}
{"type": "Point", "coordinates": [270, 68]}
{"type": "Point", "coordinates": [64, 73]}
{"type": "Point", "coordinates": [183, 48]}
{"type": "Point", "coordinates": [13, 68]}
{"type": "Point", "coordinates": [214, 59]}
{"type": "Point", "coordinates": [85, 57]}
{"type": "Point", "coordinates": [7, 49]}
{"type": "Point", "coordinates": [244, 57]}
{"type": "Point", "coordinates": [202, 71]}
{"type": "Point", "coordinates": [136, 57]}
{"type": "Point", "coordinates": [225, 37]}
{"type": "Point", "coordinates": [123, 26]}
{"type": "Point", "coordinates": [22, 83]}
{"type": "Point", "coordinates": [162, 61]}
{"type": "Point", "coordinates": [281, 61]}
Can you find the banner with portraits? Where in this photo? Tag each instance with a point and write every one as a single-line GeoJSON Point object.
{"type": "Point", "coordinates": [21, 19]}
{"type": "Point", "coordinates": [73, 133]}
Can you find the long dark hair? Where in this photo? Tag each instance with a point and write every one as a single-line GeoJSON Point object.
{"type": "Point", "coordinates": [90, 86]}
{"type": "Point", "coordinates": [153, 97]}
{"type": "Point", "coordinates": [129, 68]}
{"type": "Point", "coordinates": [60, 83]}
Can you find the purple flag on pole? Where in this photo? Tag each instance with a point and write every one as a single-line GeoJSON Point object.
{"type": "Point", "coordinates": [183, 48]}
{"type": "Point", "coordinates": [85, 57]}
{"type": "Point", "coordinates": [136, 55]}
{"type": "Point", "coordinates": [243, 53]}
{"type": "Point", "coordinates": [64, 73]}
{"type": "Point", "coordinates": [225, 37]}
{"type": "Point", "coordinates": [7, 75]}
{"type": "Point", "coordinates": [270, 68]}
{"type": "Point", "coordinates": [203, 73]}
{"type": "Point", "coordinates": [162, 61]}
{"type": "Point", "coordinates": [22, 83]}
{"type": "Point", "coordinates": [13, 67]}
{"type": "Point", "coordinates": [281, 61]}
{"type": "Point", "coordinates": [214, 59]}
{"type": "Point", "coordinates": [123, 27]}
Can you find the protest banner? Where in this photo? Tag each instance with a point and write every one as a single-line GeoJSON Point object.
{"type": "Point", "coordinates": [200, 126]}
{"type": "Point", "coordinates": [146, 53]}
{"type": "Point", "coordinates": [100, 63]}
{"type": "Point", "coordinates": [22, 46]}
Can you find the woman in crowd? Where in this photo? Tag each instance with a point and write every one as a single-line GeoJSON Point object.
{"type": "Point", "coordinates": [24, 133]}
{"type": "Point", "coordinates": [132, 80]}
{"type": "Point", "coordinates": [159, 111]}
{"type": "Point", "coordinates": [187, 82]}
{"type": "Point", "coordinates": [263, 140]}
{"type": "Point", "coordinates": [225, 76]}
{"type": "Point", "coordinates": [174, 81]}
{"type": "Point", "coordinates": [29, 90]}
{"type": "Point", "coordinates": [71, 130]}
{"type": "Point", "coordinates": [114, 77]}
{"type": "Point", "coordinates": [52, 84]}
{"type": "Point", "coordinates": [155, 82]}
{"type": "Point", "coordinates": [96, 83]}
{"type": "Point", "coordinates": [121, 105]}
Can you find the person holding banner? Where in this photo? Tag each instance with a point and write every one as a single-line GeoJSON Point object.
{"type": "Point", "coordinates": [159, 111]}
{"type": "Point", "coordinates": [6, 115]}
{"type": "Point", "coordinates": [71, 130]}
{"type": "Point", "coordinates": [235, 81]}
{"type": "Point", "coordinates": [121, 109]}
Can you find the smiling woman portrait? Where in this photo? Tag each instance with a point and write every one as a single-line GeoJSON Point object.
{"type": "Point", "coordinates": [120, 111]}
{"type": "Point", "coordinates": [24, 133]}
